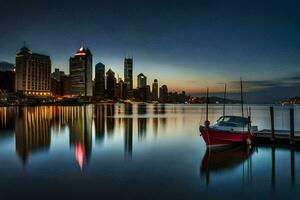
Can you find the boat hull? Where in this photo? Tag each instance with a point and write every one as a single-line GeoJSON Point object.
{"type": "Point", "coordinates": [215, 138]}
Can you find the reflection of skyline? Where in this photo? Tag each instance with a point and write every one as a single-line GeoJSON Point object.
{"type": "Point", "coordinates": [110, 120]}
{"type": "Point", "coordinates": [142, 121]}
{"type": "Point", "coordinates": [32, 129]}
{"type": "Point", "coordinates": [33, 126]}
{"type": "Point", "coordinates": [100, 122]}
{"type": "Point", "coordinates": [128, 134]}
{"type": "Point", "coordinates": [81, 134]}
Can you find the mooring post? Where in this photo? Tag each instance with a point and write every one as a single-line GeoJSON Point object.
{"type": "Point", "coordinates": [292, 126]}
{"type": "Point", "coordinates": [272, 124]}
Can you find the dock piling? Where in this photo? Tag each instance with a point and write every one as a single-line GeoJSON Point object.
{"type": "Point", "coordinates": [292, 127]}
{"type": "Point", "coordinates": [272, 124]}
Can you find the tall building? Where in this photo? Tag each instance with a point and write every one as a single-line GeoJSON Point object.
{"type": "Point", "coordinates": [32, 73]}
{"type": "Point", "coordinates": [121, 90]}
{"type": "Point", "coordinates": [100, 80]}
{"type": "Point", "coordinates": [163, 93]}
{"type": "Point", "coordinates": [57, 74]}
{"type": "Point", "coordinates": [141, 81]}
{"type": "Point", "coordinates": [81, 73]}
{"type": "Point", "coordinates": [65, 83]}
{"type": "Point", "coordinates": [110, 84]}
{"type": "Point", "coordinates": [128, 70]}
{"type": "Point", "coordinates": [155, 90]}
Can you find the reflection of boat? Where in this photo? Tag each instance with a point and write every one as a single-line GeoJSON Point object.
{"type": "Point", "coordinates": [221, 161]}
{"type": "Point", "coordinates": [225, 159]}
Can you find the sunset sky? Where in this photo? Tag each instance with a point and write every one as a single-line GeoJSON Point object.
{"type": "Point", "coordinates": [188, 45]}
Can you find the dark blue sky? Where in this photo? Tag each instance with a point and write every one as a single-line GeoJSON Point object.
{"type": "Point", "coordinates": [186, 44]}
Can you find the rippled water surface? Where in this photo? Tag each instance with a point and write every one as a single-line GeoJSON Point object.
{"type": "Point", "coordinates": [137, 151]}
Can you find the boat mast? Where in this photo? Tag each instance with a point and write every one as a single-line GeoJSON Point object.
{"type": "Point", "coordinates": [207, 104]}
{"type": "Point", "coordinates": [242, 98]}
{"type": "Point", "coordinates": [224, 101]}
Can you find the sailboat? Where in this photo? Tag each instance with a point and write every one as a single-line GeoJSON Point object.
{"type": "Point", "coordinates": [228, 130]}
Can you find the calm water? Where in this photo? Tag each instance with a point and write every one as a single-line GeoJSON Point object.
{"type": "Point", "coordinates": [137, 151]}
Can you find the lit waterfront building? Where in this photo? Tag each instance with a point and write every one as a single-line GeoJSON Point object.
{"type": "Point", "coordinates": [100, 80]}
{"type": "Point", "coordinates": [128, 70]}
{"type": "Point", "coordinates": [32, 73]}
{"type": "Point", "coordinates": [81, 73]}
{"type": "Point", "coordinates": [110, 84]}
{"type": "Point", "coordinates": [141, 81]}
{"type": "Point", "coordinates": [155, 90]}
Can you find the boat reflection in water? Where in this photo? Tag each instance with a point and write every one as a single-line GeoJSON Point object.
{"type": "Point", "coordinates": [218, 161]}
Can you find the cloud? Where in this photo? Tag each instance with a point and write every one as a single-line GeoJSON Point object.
{"type": "Point", "coordinates": [258, 85]}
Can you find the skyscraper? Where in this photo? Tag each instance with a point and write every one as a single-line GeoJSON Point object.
{"type": "Point", "coordinates": [110, 84]}
{"type": "Point", "coordinates": [155, 90]}
{"type": "Point", "coordinates": [128, 70]}
{"type": "Point", "coordinates": [81, 73]}
{"type": "Point", "coordinates": [32, 73]}
{"type": "Point", "coordinates": [163, 93]}
{"type": "Point", "coordinates": [100, 80]}
{"type": "Point", "coordinates": [141, 80]}
{"type": "Point", "coordinates": [57, 74]}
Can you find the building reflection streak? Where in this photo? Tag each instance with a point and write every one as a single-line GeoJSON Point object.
{"type": "Point", "coordinates": [142, 121]}
{"type": "Point", "coordinates": [128, 143]}
{"type": "Point", "coordinates": [128, 130]}
{"type": "Point", "coordinates": [32, 129]}
{"type": "Point", "coordinates": [163, 119]}
{"type": "Point", "coordinates": [155, 119]}
{"type": "Point", "coordinates": [81, 134]}
{"type": "Point", "coordinates": [110, 120]}
{"type": "Point", "coordinates": [100, 122]}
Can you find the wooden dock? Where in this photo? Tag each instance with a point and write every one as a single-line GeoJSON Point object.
{"type": "Point", "coordinates": [282, 137]}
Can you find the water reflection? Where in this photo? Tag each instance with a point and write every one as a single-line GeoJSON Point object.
{"type": "Point", "coordinates": [32, 129]}
{"type": "Point", "coordinates": [220, 161]}
{"type": "Point", "coordinates": [147, 143]}
{"type": "Point", "coordinates": [34, 126]}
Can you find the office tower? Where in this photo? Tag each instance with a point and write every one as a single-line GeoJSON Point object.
{"type": "Point", "coordinates": [57, 74]}
{"type": "Point", "coordinates": [55, 87]}
{"type": "Point", "coordinates": [100, 80]}
{"type": "Point", "coordinates": [163, 93]}
{"type": "Point", "coordinates": [141, 80]}
{"type": "Point", "coordinates": [128, 70]}
{"type": "Point", "coordinates": [32, 73]}
{"type": "Point", "coordinates": [65, 83]}
{"type": "Point", "coordinates": [110, 84]}
{"type": "Point", "coordinates": [155, 90]}
{"type": "Point", "coordinates": [121, 90]}
{"type": "Point", "coordinates": [81, 73]}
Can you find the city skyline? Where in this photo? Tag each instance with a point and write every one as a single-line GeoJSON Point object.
{"type": "Point", "coordinates": [206, 43]}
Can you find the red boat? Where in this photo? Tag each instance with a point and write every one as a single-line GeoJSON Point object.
{"type": "Point", "coordinates": [228, 130]}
